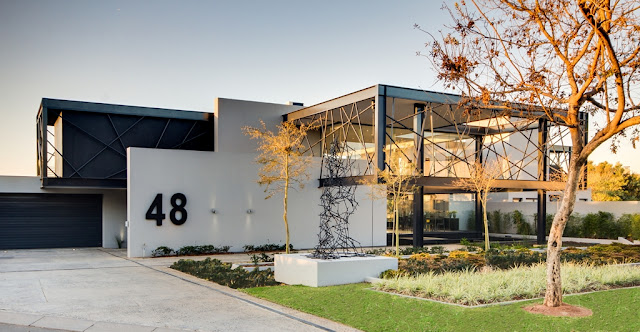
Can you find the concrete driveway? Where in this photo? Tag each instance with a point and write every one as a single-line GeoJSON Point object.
{"type": "Point", "coordinates": [93, 289]}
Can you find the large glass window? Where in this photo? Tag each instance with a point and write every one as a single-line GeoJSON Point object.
{"type": "Point", "coordinates": [442, 213]}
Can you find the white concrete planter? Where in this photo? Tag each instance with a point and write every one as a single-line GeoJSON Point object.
{"type": "Point", "coordinates": [250, 266]}
{"type": "Point", "coordinates": [298, 269]}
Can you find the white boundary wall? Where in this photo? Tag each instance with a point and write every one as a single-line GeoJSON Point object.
{"type": "Point", "coordinates": [114, 209]}
{"type": "Point", "coordinates": [226, 182]}
{"type": "Point", "coordinates": [581, 207]}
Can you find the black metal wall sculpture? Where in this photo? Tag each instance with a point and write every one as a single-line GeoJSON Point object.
{"type": "Point", "coordinates": [339, 203]}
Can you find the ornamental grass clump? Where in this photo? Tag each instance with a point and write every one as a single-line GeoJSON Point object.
{"type": "Point", "coordinates": [473, 287]}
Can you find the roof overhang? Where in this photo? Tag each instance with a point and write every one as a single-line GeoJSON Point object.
{"type": "Point", "coordinates": [81, 106]}
{"type": "Point", "coordinates": [414, 95]}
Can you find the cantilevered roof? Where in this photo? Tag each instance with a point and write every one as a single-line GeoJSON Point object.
{"type": "Point", "coordinates": [82, 106]}
{"type": "Point", "coordinates": [404, 99]}
{"type": "Point", "coordinates": [409, 94]}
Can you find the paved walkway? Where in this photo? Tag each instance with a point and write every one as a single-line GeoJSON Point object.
{"type": "Point", "coordinates": [101, 290]}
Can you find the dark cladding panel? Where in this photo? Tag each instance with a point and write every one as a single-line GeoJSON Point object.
{"type": "Point", "coordinates": [94, 143]}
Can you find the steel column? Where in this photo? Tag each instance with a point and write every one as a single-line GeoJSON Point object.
{"type": "Point", "coordinates": [479, 220]}
{"type": "Point", "coordinates": [380, 126]}
{"type": "Point", "coordinates": [542, 176]}
{"type": "Point", "coordinates": [418, 204]}
{"type": "Point", "coordinates": [584, 124]}
{"type": "Point", "coordinates": [43, 149]}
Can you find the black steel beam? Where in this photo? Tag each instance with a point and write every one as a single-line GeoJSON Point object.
{"type": "Point", "coordinates": [446, 184]}
{"type": "Point", "coordinates": [70, 105]}
{"type": "Point", "coordinates": [85, 183]}
{"type": "Point", "coordinates": [364, 94]}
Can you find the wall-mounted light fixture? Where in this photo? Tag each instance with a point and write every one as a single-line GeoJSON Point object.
{"type": "Point", "coordinates": [214, 211]}
{"type": "Point", "coordinates": [249, 211]}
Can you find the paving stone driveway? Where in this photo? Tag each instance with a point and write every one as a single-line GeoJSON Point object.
{"type": "Point", "coordinates": [101, 286]}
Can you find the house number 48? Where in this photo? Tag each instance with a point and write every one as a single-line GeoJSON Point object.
{"type": "Point", "coordinates": [178, 213]}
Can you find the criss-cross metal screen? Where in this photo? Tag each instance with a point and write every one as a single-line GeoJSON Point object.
{"type": "Point", "coordinates": [87, 147]}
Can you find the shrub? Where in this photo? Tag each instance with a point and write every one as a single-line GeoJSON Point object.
{"type": "Point", "coordinates": [497, 221]}
{"type": "Point", "coordinates": [262, 257]}
{"type": "Point", "coordinates": [614, 253]}
{"type": "Point", "coordinates": [222, 273]}
{"type": "Point", "coordinates": [201, 250]}
{"type": "Point", "coordinates": [597, 225]}
{"type": "Point", "coordinates": [469, 246]}
{"type": "Point", "coordinates": [437, 250]}
{"type": "Point", "coordinates": [376, 251]}
{"type": "Point", "coordinates": [190, 250]}
{"type": "Point", "coordinates": [630, 225]}
{"type": "Point", "coordinates": [266, 247]}
{"type": "Point", "coordinates": [162, 251]}
{"type": "Point", "coordinates": [574, 226]}
{"type": "Point", "coordinates": [412, 250]}
{"type": "Point", "coordinates": [509, 259]}
{"type": "Point", "coordinates": [425, 263]}
{"type": "Point", "coordinates": [459, 254]}
{"type": "Point", "coordinates": [522, 226]}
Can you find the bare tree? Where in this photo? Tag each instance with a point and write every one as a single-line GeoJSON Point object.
{"type": "Point", "coordinates": [564, 56]}
{"type": "Point", "coordinates": [481, 180]}
{"type": "Point", "coordinates": [398, 181]}
{"type": "Point", "coordinates": [283, 165]}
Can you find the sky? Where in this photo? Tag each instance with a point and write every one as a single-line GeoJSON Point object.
{"type": "Point", "coordinates": [183, 54]}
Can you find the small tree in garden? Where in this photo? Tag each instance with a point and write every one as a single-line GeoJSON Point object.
{"type": "Point", "coordinates": [481, 181]}
{"type": "Point", "coordinates": [283, 165]}
{"type": "Point", "coordinates": [565, 57]}
{"type": "Point", "coordinates": [398, 181]}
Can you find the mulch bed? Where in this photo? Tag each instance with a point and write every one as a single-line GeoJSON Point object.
{"type": "Point", "coordinates": [565, 310]}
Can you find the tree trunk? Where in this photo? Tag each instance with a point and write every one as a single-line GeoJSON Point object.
{"type": "Point", "coordinates": [286, 197]}
{"type": "Point", "coordinates": [486, 221]}
{"type": "Point", "coordinates": [396, 231]}
{"type": "Point", "coordinates": [553, 294]}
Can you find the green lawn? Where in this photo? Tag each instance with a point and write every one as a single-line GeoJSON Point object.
{"type": "Point", "coordinates": [357, 306]}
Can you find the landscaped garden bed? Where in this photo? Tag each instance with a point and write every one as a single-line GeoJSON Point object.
{"type": "Point", "coordinates": [473, 287]}
{"type": "Point", "coordinates": [222, 273]}
{"type": "Point", "coordinates": [506, 274]}
{"type": "Point", "coordinates": [164, 251]}
{"type": "Point", "coordinates": [510, 257]}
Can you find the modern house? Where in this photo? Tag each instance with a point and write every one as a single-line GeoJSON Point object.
{"type": "Point", "coordinates": [157, 177]}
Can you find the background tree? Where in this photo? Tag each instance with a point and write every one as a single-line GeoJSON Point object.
{"type": "Point", "coordinates": [481, 180]}
{"type": "Point", "coordinates": [564, 56]}
{"type": "Point", "coordinates": [398, 184]}
{"type": "Point", "coordinates": [631, 189]}
{"type": "Point", "coordinates": [607, 182]}
{"type": "Point", "coordinates": [283, 165]}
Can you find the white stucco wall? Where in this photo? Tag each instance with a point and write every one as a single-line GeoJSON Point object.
{"type": "Point", "coordinates": [114, 208]}
{"type": "Point", "coordinates": [231, 115]}
{"type": "Point", "coordinates": [226, 182]}
{"type": "Point", "coordinates": [528, 209]}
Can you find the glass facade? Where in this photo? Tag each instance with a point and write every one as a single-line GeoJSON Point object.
{"type": "Point", "coordinates": [440, 139]}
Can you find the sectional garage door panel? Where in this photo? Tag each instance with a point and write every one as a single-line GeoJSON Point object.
{"type": "Point", "coordinates": [30, 221]}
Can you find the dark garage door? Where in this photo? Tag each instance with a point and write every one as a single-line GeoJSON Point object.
{"type": "Point", "coordinates": [50, 221]}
